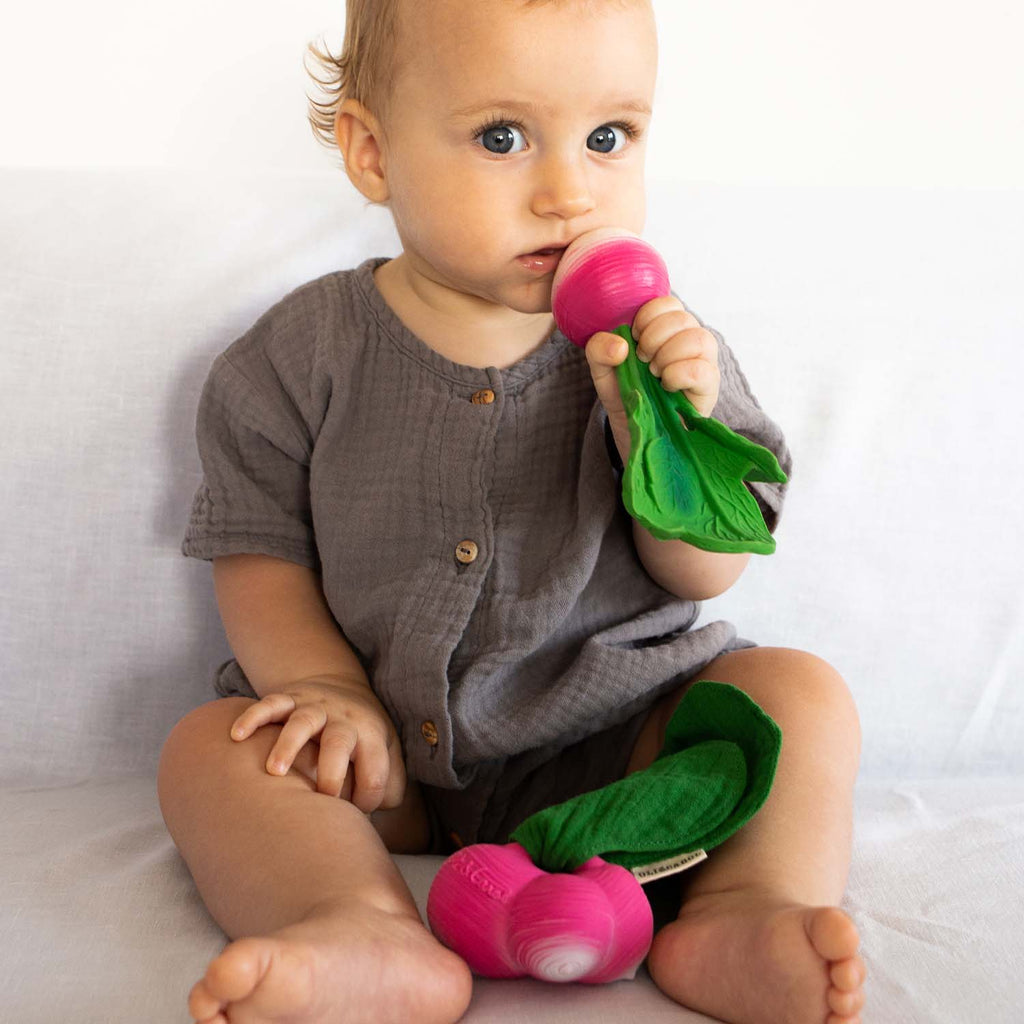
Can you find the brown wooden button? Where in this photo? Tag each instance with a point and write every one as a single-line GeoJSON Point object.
{"type": "Point", "coordinates": [484, 397]}
{"type": "Point", "coordinates": [466, 551]}
{"type": "Point", "coordinates": [429, 731]}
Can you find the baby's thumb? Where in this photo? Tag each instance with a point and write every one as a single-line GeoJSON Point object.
{"type": "Point", "coordinates": [604, 352]}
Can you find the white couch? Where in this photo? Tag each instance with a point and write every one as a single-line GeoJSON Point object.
{"type": "Point", "coordinates": [882, 328]}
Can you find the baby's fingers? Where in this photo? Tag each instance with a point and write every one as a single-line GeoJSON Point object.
{"type": "Point", "coordinates": [372, 770]}
{"type": "Point", "coordinates": [670, 325]}
{"type": "Point", "coordinates": [304, 723]}
{"type": "Point", "coordinates": [336, 745]}
{"type": "Point", "coordinates": [394, 795]}
{"type": "Point", "coordinates": [275, 707]}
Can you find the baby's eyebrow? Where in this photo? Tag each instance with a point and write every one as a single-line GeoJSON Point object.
{"type": "Point", "coordinates": [633, 105]}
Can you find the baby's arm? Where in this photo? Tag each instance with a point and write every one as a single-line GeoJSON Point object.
{"type": "Point", "coordinates": [684, 356]}
{"type": "Point", "coordinates": [687, 571]}
{"type": "Point", "coordinates": [308, 677]}
{"type": "Point", "coordinates": [278, 623]}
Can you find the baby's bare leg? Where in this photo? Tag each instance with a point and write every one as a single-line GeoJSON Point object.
{"type": "Point", "coordinates": [759, 936]}
{"type": "Point", "coordinates": [322, 917]}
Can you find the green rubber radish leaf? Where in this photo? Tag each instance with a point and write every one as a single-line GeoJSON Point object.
{"type": "Point", "coordinates": [686, 473]}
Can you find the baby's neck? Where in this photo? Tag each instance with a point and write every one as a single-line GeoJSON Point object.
{"type": "Point", "coordinates": [460, 327]}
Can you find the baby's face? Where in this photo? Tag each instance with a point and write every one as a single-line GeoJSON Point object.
{"type": "Point", "coordinates": [512, 130]}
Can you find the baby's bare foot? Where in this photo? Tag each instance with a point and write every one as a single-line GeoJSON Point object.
{"type": "Point", "coordinates": [358, 964]}
{"type": "Point", "coordinates": [748, 958]}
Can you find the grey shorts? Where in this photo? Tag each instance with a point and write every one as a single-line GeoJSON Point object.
{"type": "Point", "coordinates": [504, 794]}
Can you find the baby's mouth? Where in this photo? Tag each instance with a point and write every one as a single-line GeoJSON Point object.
{"type": "Point", "coordinates": [542, 260]}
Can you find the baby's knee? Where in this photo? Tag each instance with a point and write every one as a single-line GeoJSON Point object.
{"type": "Point", "coordinates": [801, 691]}
{"type": "Point", "coordinates": [832, 690]}
{"type": "Point", "coordinates": [196, 740]}
{"type": "Point", "coordinates": [200, 745]}
{"type": "Point", "coordinates": [199, 732]}
{"type": "Point", "coordinates": [825, 695]}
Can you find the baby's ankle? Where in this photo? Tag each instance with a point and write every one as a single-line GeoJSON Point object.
{"type": "Point", "coordinates": [359, 903]}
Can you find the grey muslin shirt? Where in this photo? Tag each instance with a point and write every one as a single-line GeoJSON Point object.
{"type": "Point", "coordinates": [467, 524]}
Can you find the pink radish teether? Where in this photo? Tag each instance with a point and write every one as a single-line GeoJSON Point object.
{"type": "Point", "coordinates": [603, 278]}
{"type": "Point", "coordinates": [507, 918]}
{"type": "Point", "coordinates": [686, 476]}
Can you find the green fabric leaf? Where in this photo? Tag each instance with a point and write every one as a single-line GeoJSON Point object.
{"type": "Point", "coordinates": [705, 783]}
{"type": "Point", "coordinates": [684, 479]}
{"type": "Point", "coordinates": [712, 774]}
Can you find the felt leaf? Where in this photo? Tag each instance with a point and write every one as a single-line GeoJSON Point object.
{"type": "Point", "coordinates": [686, 473]}
{"type": "Point", "coordinates": [713, 773]}
{"type": "Point", "coordinates": [719, 711]}
{"type": "Point", "coordinates": [645, 817]}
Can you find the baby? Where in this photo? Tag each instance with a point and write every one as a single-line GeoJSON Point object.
{"type": "Point", "coordinates": [442, 617]}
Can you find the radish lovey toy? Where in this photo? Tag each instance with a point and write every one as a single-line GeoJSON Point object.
{"type": "Point", "coordinates": [685, 477]}
{"type": "Point", "coordinates": [563, 901]}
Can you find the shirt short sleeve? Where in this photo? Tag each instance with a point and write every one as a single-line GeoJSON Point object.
{"type": "Point", "coordinates": [255, 455]}
{"type": "Point", "coordinates": [739, 409]}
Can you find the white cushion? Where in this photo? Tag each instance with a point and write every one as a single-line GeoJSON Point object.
{"type": "Point", "coordinates": [881, 327]}
{"type": "Point", "coordinates": [100, 922]}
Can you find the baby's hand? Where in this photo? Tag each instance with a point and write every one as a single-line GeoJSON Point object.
{"type": "Point", "coordinates": [680, 352]}
{"type": "Point", "coordinates": [353, 730]}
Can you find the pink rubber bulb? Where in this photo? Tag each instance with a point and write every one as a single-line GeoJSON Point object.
{"type": "Point", "coordinates": [602, 279]}
{"type": "Point", "coordinates": [507, 918]}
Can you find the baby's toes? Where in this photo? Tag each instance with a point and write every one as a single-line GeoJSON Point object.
{"type": "Point", "coordinates": [203, 1006]}
{"type": "Point", "coordinates": [833, 935]}
{"type": "Point", "coordinates": [848, 975]}
{"type": "Point", "coordinates": [229, 977]}
{"type": "Point", "coordinates": [845, 1004]}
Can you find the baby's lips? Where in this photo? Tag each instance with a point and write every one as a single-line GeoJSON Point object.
{"type": "Point", "coordinates": [508, 918]}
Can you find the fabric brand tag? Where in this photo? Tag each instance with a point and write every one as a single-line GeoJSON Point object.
{"type": "Point", "coordinates": [663, 868]}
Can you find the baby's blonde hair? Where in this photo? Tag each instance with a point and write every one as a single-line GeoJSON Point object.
{"type": "Point", "coordinates": [365, 69]}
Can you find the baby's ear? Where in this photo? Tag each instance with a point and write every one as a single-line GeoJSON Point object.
{"type": "Point", "coordinates": [358, 134]}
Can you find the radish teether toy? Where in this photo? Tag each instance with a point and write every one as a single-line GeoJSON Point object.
{"type": "Point", "coordinates": [602, 279]}
{"type": "Point", "coordinates": [563, 900]}
{"type": "Point", "coordinates": [685, 475]}
{"type": "Point", "coordinates": [507, 918]}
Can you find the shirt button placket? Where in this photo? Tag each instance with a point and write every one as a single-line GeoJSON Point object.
{"type": "Point", "coordinates": [467, 551]}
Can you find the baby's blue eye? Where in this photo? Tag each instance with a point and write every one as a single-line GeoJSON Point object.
{"type": "Point", "coordinates": [502, 138]}
{"type": "Point", "coordinates": [606, 139]}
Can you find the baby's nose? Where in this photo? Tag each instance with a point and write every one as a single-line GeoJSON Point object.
{"type": "Point", "coordinates": [562, 190]}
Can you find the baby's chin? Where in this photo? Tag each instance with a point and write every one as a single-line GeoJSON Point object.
{"type": "Point", "coordinates": [529, 298]}
{"type": "Point", "coordinates": [534, 300]}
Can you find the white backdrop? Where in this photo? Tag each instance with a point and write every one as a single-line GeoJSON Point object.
{"type": "Point", "coordinates": [818, 207]}
{"type": "Point", "coordinates": [838, 188]}
{"type": "Point", "coordinates": [919, 92]}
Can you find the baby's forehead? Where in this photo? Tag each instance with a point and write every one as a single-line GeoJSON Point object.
{"type": "Point", "coordinates": [445, 22]}
{"type": "Point", "coordinates": [463, 45]}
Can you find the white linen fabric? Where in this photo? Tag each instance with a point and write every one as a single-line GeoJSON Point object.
{"type": "Point", "coordinates": [882, 329]}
